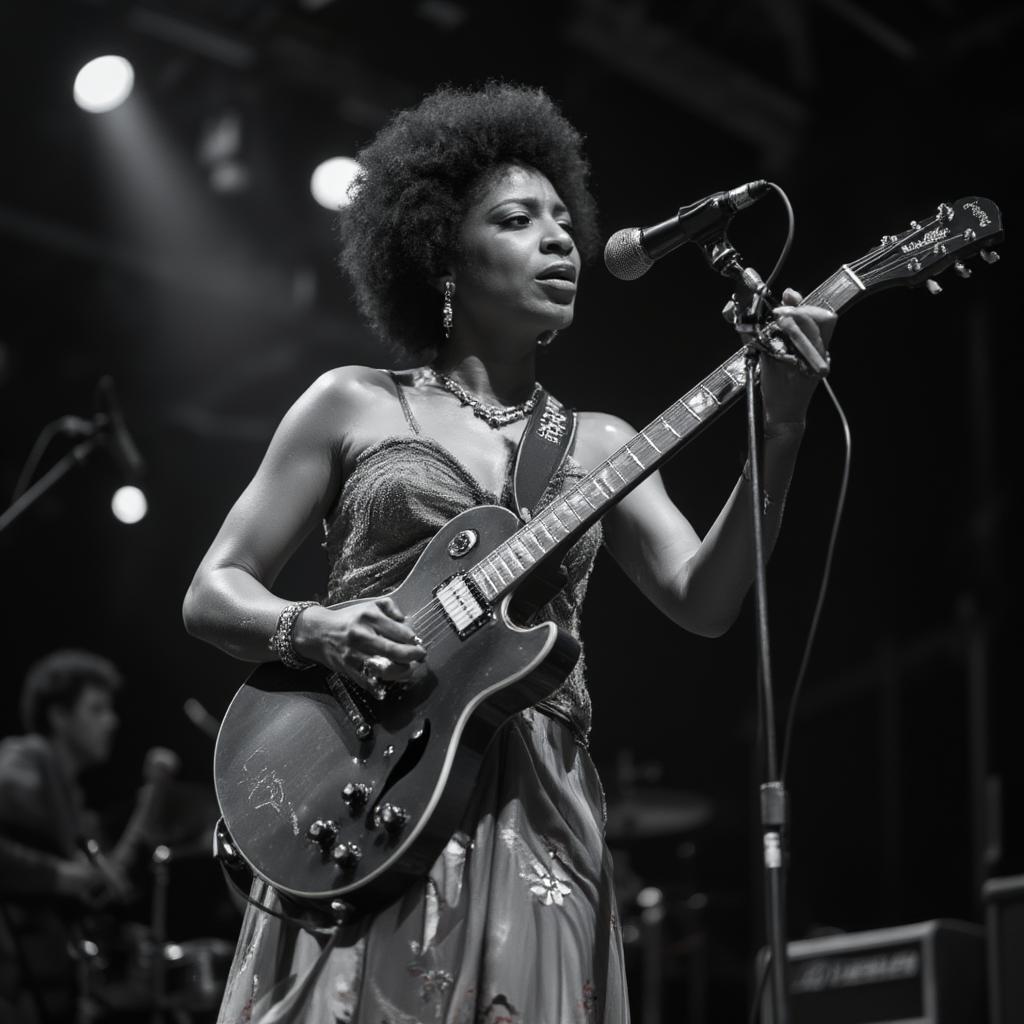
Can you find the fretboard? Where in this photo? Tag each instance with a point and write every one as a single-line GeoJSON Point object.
{"type": "Point", "coordinates": [573, 512]}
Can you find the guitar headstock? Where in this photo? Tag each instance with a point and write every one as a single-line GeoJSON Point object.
{"type": "Point", "coordinates": [954, 233]}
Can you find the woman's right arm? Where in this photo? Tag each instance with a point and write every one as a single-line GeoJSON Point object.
{"type": "Point", "coordinates": [230, 603]}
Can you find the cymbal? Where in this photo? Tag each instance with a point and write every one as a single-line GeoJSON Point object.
{"type": "Point", "coordinates": [646, 813]}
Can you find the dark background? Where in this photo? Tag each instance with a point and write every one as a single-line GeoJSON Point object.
{"type": "Point", "coordinates": [213, 310]}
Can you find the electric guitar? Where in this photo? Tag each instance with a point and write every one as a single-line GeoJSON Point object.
{"type": "Point", "coordinates": [340, 800]}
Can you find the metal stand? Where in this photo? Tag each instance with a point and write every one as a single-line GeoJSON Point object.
{"type": "Point", "coordinates": [773, 798]}
{"type": "Point", "coordinates": [158, 931]}
{"type": "Point", "coordinates": [76, 457]}
{"type": "Point", "coordinates": [748, 301]}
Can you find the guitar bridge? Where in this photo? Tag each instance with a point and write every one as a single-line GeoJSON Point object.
{"type": "Point", "coordinates": [463, 604]}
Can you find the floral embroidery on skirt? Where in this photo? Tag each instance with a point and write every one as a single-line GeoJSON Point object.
{"type": "Point", "coordinates": [514, 924]}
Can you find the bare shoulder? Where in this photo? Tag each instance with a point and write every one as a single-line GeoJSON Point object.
{"type": "Point", "coordinates": [348, 386]}
{"type": "Point", "coordinates": [598, 434]}
{"type": "Point", "coordinates": [338, 399]}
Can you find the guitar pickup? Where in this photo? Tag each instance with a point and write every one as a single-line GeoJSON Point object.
{"type": "Point", "coordinates": [463, 604]}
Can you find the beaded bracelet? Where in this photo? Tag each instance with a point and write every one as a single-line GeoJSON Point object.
{"type": "Point", "coordinates": [281, 641]}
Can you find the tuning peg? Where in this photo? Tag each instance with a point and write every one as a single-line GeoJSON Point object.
{"type": "Point", "coordinates": [933, 286]}
{"type": "Point", "coordinates": [945, 213]}
{"type": "Point", "coordinates": [963, 271]}
{"type": "Point", "coordinates": [989, 255]}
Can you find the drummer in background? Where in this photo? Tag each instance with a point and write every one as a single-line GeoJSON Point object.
{"type": "Point", "coordinates": [48, 882]}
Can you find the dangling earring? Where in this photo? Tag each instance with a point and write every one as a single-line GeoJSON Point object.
{"type": "Point", "coordinates": [446, 309]}
{"type": "Point", "coordinates": [546, 338]}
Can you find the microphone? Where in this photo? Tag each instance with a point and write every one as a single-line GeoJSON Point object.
{"type": "Point", "coordinates": [631, 252]}
{"type": "Point", "coordinates": [110, 423]}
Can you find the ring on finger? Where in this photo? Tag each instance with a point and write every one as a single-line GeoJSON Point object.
{"type": "Point", "coordinates": [374, 667]}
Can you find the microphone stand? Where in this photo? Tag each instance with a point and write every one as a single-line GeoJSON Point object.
{"type": "Point", "coordinates": [76, 457]}
{"type": "Point", "coordinates": [748, 300]}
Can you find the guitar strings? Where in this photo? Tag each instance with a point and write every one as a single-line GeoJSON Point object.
{"type": "Point", "coordinates": [433, 626]}
{"type": "Point", "coordinates": [431, 619]}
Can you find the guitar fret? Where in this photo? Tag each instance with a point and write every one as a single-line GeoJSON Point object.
{"type": "Point", "coordinates": [695, 403]}
{"type": "Point", "coordinates": [671, 428]}
{"type": "Point", "coordinates": [508, 547]}
{"type": "Point", "coordinates": [486, 577]}
{"type": "Point", "coordinates": [606, 492]}
{"type": "Point", "coordinates": [498, 564]}
{"type": "Point", "coordinates": [615, 470]}
{"type": "Point", "coordinates": [568, 505]}
{"type": "Point", "coordinates": [650, 442]}
{"type": "Point", "coordinates": [541, 526]}
{"type": "Point", "coordinates": [583, 495]}
{"type": "Point", "coordinates": [526, 559]}
{"type": "Point", "coordinates": [556, 519]}
{"type": "Point", "coordinates": [488, 586]}
{"type": "Point", "coordinates": [533, 536]}
{"type": "Point", "coordinates": [629, 452]}
{"type": "Point", "coordinates": [736, 370]}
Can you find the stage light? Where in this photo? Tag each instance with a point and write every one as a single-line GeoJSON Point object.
{"type": "Point", "coordinates": [129, 504]}
{"type": "Point", "coordinates": [332, 180]}
{"type": "Point", "coordinates": [104, 83]}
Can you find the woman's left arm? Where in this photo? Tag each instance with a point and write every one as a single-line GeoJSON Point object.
{"type": "Point", "coordinates": [701, 584]}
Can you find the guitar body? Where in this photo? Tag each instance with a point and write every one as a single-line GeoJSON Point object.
{"type": "Point", "coordinates": [287, 748]}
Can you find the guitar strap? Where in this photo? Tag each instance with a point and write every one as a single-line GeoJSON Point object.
{"type": "Point", "coordinates": [542, 450]}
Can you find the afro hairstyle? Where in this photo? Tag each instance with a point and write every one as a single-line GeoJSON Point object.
{"type": "Point", "coordinates": [417, 179]}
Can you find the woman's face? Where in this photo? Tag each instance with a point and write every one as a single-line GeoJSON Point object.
{"type": "Point", "coordinates": [518, 266]}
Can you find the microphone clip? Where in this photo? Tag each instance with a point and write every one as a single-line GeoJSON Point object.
{"type": "Point", "coordinates": [747, 312]}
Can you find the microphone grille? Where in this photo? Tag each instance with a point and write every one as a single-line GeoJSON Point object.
{"type": "Point", "coordinates": [624, 255]}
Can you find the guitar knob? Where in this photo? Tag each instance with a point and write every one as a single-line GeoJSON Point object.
{"type": "Point", "coordinates": [346, 855]}
{"type": "Point", "coordinates": [393, 818]}
{"type": "Point", "coordinates": [963, 271]}
{"type": "Point", "coordinates": [355, 794]}
{"type": "Point", "coordinates": [322, 831]}
{"type": "Point", "coordinates": [989, 255]}
{"type": "Point", "coordinates": [933, 286]}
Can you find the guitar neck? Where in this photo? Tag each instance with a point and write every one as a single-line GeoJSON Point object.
{"type": "Point", "coordinates": [566, 518]}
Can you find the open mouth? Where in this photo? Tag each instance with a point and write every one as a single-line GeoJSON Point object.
{"type": "Point", "coordinates": [558, 273]}
{"type": "Point", "coordinates": [557, 284]}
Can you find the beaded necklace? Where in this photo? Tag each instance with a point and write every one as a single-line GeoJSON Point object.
{"type": "Point", "coordinates": [493, 415]}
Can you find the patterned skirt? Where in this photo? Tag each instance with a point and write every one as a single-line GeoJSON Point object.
{"type": "Point", "coordinates": [515, 922]}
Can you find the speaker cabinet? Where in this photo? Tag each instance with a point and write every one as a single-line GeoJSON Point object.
{"type": "Point", "coordinates": [1004, 925]}
{"type": "Point", "coordinates": [927, 973]}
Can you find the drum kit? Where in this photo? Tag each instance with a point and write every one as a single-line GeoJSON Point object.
{"type": "Point", "coordinates": [132, 971]}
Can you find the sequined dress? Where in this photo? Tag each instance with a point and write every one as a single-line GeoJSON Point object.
{"type": "Point", "coordinates": [515, 921]}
